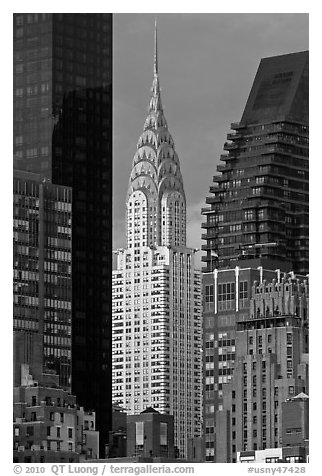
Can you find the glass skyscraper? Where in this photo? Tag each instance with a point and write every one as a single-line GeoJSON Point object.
{"type": "Point", "coordinates": [63, 131]}
{"type": "Point", "coordinates": [42, 269]}
{"type": "Point", "coordinates": [259, 203]}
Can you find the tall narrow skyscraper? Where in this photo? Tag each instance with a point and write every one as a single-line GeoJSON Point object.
{"type": "Point", "coordinates": [63, 131]}
{"type": "Point", "coordinates": [156, 288]}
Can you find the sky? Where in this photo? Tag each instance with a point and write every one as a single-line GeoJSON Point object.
{"type": "Point", "coordinates": [207, 64]}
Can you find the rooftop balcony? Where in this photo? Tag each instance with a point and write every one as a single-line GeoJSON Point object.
{"type": "Point", "coordinates": [206, 210]}
{"type": "Point", "coordinates": [214, 199]}
{"type": "Point", "coordinates": [224, 168]}
{"type": "Point", "coordinates": [204, 224]}
{"type": "Point", "coordinates": [207, 247]}
{"type": "Point", "coordinates": [234, 136]}
{"type": "Point", "coordinates": [209, 236]}
{"type": "Point", "coordinates": [224, 157]}
{"type": "Point", "coordinates": [236, 126]}
{"type": "Point", "coordinates": [229, 157]}
{"type": "Point", "coordinates": [230, 146]}
{"type": "Point", "coordinates": [213, 188]}
{"type": "Point", "coordinates": [219, 178]}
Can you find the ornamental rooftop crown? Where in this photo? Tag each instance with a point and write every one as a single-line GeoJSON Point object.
{"type": "Point", "coordinates": [156, 181]}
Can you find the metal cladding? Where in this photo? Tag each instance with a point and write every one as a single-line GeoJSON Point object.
{"type": "Point", "coordinates": [155, 167]}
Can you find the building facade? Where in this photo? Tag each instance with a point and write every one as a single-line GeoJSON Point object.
{"type": "Point", "coordinates": [259, 201]}
{"type": "Point", "coordinates": [271, 367]}
{"type": "Point", "coordinates": [256, 229]}
{"type": "Point", "coordinates": [226, 300]}
{"type": "Point", "coordinates": [295, 424]}
{"type": "Point", "coordinates": [150, 434]}
{"type": "Point", "coordinates": [49, 426]}
{"type": "Point", "coordinates": [294, 454]}
{"type": "Point", "coordinates": [294, 446]}
{"type": "Point", "coordinates": [63, 131]}
{"type": "Point", "coordinates": [156, 288]}
{"type": "Point", "coordinates": [42, 274]}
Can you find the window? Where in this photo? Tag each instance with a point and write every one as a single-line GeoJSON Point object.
{"type": "Point", "coordinates": [19, 20]}
{"type": "Point", "coordinates": [257, 190]}
{"type": "Point", "coordinates": [139, 433]}
{"type": "Point", "coordinates": [163, 434]}
{"type": "Point", "coordinates": [17, 431]}
{"type": "Point", "coordinates": [70, 433]}
{"type": "Point", "coordinates": [226, 296]}
{"type": "Point", "coordinates": [249, 214]}
{"type": "Point", "coordinates": [209, 297]}
{"type": "Point", "coordinates": [58, 431]}
{"type": "Point", "coordinates": [70, 446]}
{"type": "Point", "coordinates": [243, 290]}
{"type": "Point", "coordinates": [51, 416]}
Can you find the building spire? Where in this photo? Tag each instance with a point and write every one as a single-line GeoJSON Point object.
{"type": "Point", "coordinates": [155, 48]}
{"type": "Point", "coordinates": [156, 173]}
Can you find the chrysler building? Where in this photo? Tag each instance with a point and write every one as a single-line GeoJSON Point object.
{"type": "Point", "coordinates": [157, 340]}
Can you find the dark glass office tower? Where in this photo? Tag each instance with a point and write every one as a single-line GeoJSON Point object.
{"type": "Point", "coordinates": [259, 203]}
{"type": "Point", "coordinates": [63, 130]}
{"type": "Point", "coordinates": [42, 281]}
